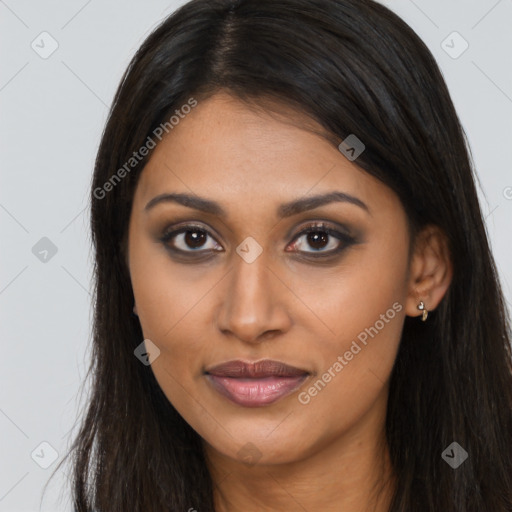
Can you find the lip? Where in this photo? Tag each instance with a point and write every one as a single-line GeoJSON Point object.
{"type": "Point", "coordinates": [255, 384]}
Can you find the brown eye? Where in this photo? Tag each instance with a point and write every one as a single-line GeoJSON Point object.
{"type": "Point", "coordinates": [194, 238]}
{"type": "Point", "coordinates": [189, 239]}
{"type": "Point", "coordinates": [317, 239]}
{"type": "Point", "coordinates": [323, 239]}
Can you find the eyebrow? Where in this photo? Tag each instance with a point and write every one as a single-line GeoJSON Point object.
{"type": "Point", "coordinates": [284, 210]}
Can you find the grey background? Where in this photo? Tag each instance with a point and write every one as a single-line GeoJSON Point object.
{"type": "Point", "coordinates": [53, 111]}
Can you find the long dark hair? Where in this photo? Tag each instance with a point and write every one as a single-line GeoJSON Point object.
{"type": "Point", "coordinates": [354, 67]}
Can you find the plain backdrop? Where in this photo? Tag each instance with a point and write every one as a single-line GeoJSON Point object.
{"type": "Point", "coordinates": [53, 108]}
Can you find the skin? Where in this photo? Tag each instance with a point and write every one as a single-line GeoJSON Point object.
{"type": "Point", "coordinates": [328, 454]}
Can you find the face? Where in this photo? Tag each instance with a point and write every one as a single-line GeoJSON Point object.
{"type": "Point", "coordinates": [246, 281]}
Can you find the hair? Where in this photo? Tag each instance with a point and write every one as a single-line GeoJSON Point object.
{"type": "Point", "coordinates": [354, 67]}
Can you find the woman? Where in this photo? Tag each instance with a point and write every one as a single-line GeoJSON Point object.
{"type": "Point", "coordinates": [296, 304]}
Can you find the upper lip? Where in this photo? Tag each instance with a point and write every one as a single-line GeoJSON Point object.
{"type": "Point", "coordinates": [257, 369]}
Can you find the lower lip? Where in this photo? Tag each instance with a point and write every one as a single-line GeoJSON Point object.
{"type": "Point", "coordinates": [255, 392]}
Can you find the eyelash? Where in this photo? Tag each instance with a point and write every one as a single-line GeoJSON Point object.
{"type": "Point", "coordinates": [315, 227]}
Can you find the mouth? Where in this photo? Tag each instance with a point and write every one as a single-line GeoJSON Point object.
{"type": "Point", "coordinates": [255, 384]}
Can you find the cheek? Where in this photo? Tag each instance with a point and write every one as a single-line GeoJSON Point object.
{"type": "Point", "coordinates": [355, 363]}
{"type": "Point", "coordinates": [170, 304]}
{"type": "Point", "coordinates": [165, 292]}
{"type": "Point", "coordinates": [361, 308]}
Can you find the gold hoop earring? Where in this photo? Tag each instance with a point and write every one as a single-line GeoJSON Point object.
{"type": "Point", "coordinates": [421, 307]}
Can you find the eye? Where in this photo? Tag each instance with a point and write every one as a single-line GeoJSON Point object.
{"type": "Point", "coordinates": [189, 238]}
{"type": "Point", "coordinates": [321, 236]}
{"type": "Point", "coordinates": [323, 239]}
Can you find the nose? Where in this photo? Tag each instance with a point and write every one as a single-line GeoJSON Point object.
{"type": "Point", "coordinates": [253, 306]}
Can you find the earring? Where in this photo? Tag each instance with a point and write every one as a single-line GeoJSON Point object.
{"type": "Point", "coordinates": [135, 310]}
{"type": "Point", "coordinates": [421, 307]}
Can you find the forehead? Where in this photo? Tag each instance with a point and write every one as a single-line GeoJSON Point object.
{"type": "Point", "coordinates": [236, 154]}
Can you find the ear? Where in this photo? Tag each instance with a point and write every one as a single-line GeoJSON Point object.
{"type": "Point", "coordinates": [430, 271]}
